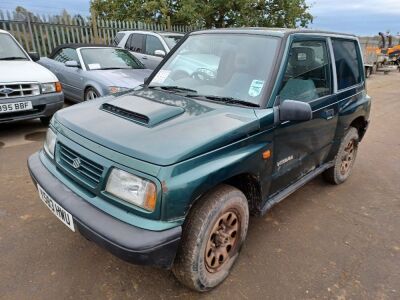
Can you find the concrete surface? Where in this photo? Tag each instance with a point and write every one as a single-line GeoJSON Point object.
{"type": "Point", "coordinates": [323, 242]}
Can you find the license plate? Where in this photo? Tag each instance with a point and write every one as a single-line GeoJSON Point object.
{"type": "Point", "coordinates": [56, 209]}
{"type": "Point", "coordinates": [17, 106]}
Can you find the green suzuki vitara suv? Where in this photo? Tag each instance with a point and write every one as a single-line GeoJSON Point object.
{"type": "Point", "coordinates": [230, 123]}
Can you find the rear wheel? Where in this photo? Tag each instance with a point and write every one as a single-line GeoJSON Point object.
{"type": "Point", "coordinates": [344, 161]}
{"type": "Point", "coordinates": [91, 94]}
{"type": "Point", "coordinates": [368, 72]}
{"type": "Point", "coordinates": [213, 234]}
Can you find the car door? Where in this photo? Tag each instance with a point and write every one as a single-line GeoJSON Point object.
{"type": "Point", "coordinates": [300, 147]}
{"type": "Point", "coordinates": [135, 44]}
{"type": "Point", "coordinates": [152, 44]}
{"type": "Point", "coordinates": [70, 77]}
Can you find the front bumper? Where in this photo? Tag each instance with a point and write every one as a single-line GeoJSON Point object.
{"type": "Point", "coordinates": [44, 105]}
{"type": "Point", "coordinates": [130, 243]}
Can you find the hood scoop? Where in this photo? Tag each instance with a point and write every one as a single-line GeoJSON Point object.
{"type": "Point", "coordinates": [141, 110]}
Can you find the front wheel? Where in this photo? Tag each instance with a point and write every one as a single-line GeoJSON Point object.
{"type": "Point", "coordinates": [344, 160]}
{"type": "Point", "coordinates": [91, 94]}
{"type": "Point", "coordinates": [213, 234]}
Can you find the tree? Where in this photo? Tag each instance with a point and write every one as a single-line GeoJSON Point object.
{"type": "Point", "coordinates": [21, 13]}
{"type": "Point", "coordinates": [216, 13]}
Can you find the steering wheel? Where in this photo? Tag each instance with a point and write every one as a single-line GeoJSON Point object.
{"type": "Point", "coordinates": [204, 74]}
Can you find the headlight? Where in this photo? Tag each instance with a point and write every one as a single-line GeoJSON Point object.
{"type": "Point", "coordinates": [117, 89]}
{"type": "Point", "coordinates": [50, 143]}
{"type": "Point", "coordinates": [132, 189]}
{"type": "Point", "coordinates": [51, 87]}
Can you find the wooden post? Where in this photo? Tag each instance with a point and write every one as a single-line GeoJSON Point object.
{"type": "Point", "coordinates": [169, 23]}
{"type": "Point", "coordinates": [31, 32]}
{"type": "Point", "coordinates": [94, 24]}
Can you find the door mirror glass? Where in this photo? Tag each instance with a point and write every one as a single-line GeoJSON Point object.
{"type": "Point", "coordinates": [72, 64]}
{"type": "Point", "coordinates": [291, 110]}
{"type": "Point", "coordinates": [160, 53]}
{"type": "Point", "coordinates": [34, 56]}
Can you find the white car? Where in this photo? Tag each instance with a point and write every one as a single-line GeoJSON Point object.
{"type": "Point", "coordinates": [27, 90]}
{"type": "Point", "coordinates": [148, 46]}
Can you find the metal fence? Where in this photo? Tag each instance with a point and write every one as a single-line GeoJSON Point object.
{"type": "Point", "coordinates": [43, 33]}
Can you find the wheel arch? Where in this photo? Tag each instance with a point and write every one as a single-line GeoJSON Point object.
{"type": "Point", "coordinates": [95, 86]}
{"type": "Point", "coordinates": [249, 185]}
{"type": "Point", "coordinates": [361, 125]}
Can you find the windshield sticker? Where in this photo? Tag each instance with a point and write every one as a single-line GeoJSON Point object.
{"type": "Point", "coordinates": [94, 66]}
{"type": "Point", "coordinates": [256, 87]}
{"type": "Point", "coordinates": [161, 76]}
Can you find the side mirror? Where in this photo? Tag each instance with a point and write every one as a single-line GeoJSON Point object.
{"type": "Point", "coordinates": [160, 53]}
{"type": "Point", "coordinates": [291, 110]}
{"type": "Point", "coordinates": [72, 64]}
{"type": "Point", "coordinates": [34, 56]}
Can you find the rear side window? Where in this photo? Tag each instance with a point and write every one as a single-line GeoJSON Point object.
{"type": "Point", "coordinates": [135, 43]}
{"type": "Point", "coordinates": [152, 44]}
{"type": "Point", "coordinates": [118, 38]}
{"type": "Point", "coordinates": [308, 73]}
{"type": "Point", "coordinates": [66, 54]}
{"type": "Point", "coordinates": [348, 62]}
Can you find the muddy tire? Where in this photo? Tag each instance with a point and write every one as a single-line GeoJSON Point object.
{"type": "Point", "coordinates": [45, 120]}
{"type": "Point", "coordinates": [213, 234]}
{"type": "Point", "coordinates": [344, 160]}
{"type": "Point", "coordinates": [368, 72]}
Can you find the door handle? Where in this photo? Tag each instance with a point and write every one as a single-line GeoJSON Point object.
{"type": "Point", "coordinates": [329, 113]}
{"type": "Point", "coordinates": [144, 57]}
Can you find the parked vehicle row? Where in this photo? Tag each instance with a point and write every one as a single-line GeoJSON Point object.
{"type": "Point", "coordinates": [231, 123]}
{"type": "Point", "coordinates": [81, 72]}
{"type": "Point", "coordinates": [27, 90]}
{"type": "Point", "coordinates": [88, 72]}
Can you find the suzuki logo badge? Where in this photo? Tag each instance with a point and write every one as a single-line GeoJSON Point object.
{"type": "Point", "coordinates": [76, 163]}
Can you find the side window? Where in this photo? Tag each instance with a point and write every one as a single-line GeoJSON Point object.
{"type": "Point", "coordinates": [66, 54]}
{"type": "Point", "coordinates": [135, 43]}
{"type": "Point", "coordinates": [308, 73]}
{"type": "Point", "coordinates": [348, 61]}
{"type": "Point", "coordinates": [118, 38]}
{"type": "Point", "coordinates": [153, 44]}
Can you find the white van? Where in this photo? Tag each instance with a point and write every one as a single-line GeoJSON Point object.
{"type": "Point", "coordinates": [27, 90]}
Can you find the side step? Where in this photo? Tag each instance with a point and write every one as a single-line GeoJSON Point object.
{"type": "Point", "coordinates": [294, 187]}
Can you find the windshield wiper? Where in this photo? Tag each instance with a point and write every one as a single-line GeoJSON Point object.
{"type": "Point", "coordinates": [13, 58]}
{"type": "Point", "coordinates": [172, 88]}
{"type": "Point", "coordinates": [229, 100]}
{"type": "Point", "coordinates": [111, 68]}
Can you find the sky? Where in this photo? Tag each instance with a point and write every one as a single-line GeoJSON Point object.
{"type": "Point", "coordinates": [361, 17]}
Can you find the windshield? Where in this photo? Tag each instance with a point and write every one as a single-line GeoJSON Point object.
{"type": "Point", "coordinates": [109, 58]}
{"type": "Point", "coordinates": [9, 49]}
{"type": "Point", "coordinates": [221, 65]}
{"type": "Point", "coordinates": [171, 40]}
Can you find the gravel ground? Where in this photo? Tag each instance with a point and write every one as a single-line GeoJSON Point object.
{"type": "Point", "coordinates": [323, 242]}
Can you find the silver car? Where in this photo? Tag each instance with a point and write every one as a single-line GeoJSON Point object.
{"type": "Point", "coordinates": [87, 72]}
{"type": "Point", "coordinates": [148, 46]}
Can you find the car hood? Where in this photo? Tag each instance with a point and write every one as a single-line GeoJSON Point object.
{"type": "Point", "coordinates": [159, 127]}
{"type": "Point", "coordinates": [128, 78]}
{"type": "Point", "coordinates": [24, 70]}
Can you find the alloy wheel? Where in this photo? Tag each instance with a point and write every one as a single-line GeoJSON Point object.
{"type": "Point", "coordinates": [222, 242]}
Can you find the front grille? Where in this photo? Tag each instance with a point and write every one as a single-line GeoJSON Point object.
{"type": "Point", "coordinates": [80, 166]}
{"type": "Point", "coordinates": [16, 90]}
